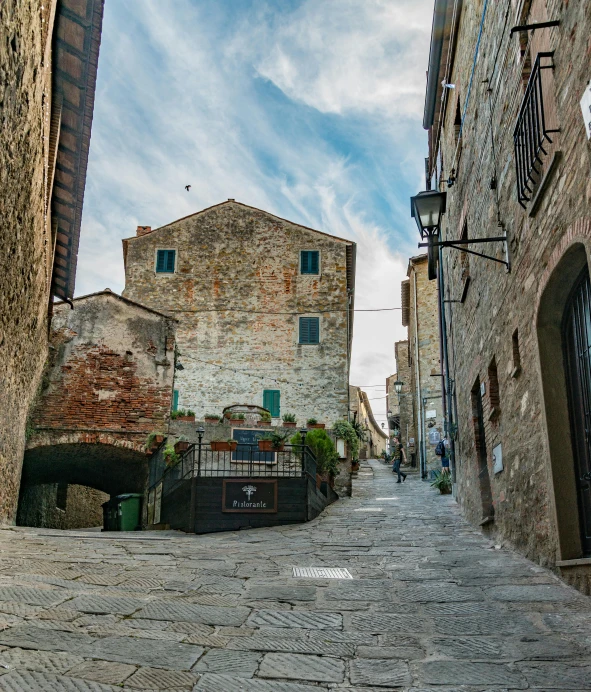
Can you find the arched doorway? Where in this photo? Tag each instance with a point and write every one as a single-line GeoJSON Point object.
{"type": "Point", "coordinates": [576, 334]}
{"type": "Point", "coordinates": [564, 339]}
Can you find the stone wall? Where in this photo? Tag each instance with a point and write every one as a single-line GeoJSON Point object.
{"type": "Point", "coordinates": [376, 440]}
{"type": "Point", "coordinates": [407, 420]}
{"type": "Point", "coordinates": [25, 87]}
{"type": "Point", "coordinates": [423, 349]}
{"type": "Point", "coordinates": [238, 294]}
{"type": "Point", "coordinates": [80, 506]}
{"type": "Point", "coordinates": [493, 339]}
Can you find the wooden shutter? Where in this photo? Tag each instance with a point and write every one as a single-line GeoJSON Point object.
{"type": "Point", "coordinates": [160, 260]}
{"type": "Point", "coordinates": [175, 399]}
{"type": "Point", "coordinates": [309, 330]}
{"type": "Point", "coordinates": [272, 401]}
{"type": "Point", "coordinates": [313, 262]}
{"type": "Point", "coordinates": [170, 260]}
{"type": "Point", "coordinates": [304, 330]}
{"type": "Point", "coordinates": [314, 330]}
{"type": "Point", "coordinates": [304, 263]}
{"type": "Point", "coordinates": [165, 261]}
{"type": "Point", "coordinates": [309, 262]}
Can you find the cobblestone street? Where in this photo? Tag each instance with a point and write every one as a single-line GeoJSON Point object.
{"type": "Point", "coordinates": [433, 605]}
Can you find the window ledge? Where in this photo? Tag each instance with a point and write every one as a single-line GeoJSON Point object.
{"type": "Point", "coordinates": [544, 183]}
{"type": "Point", "coordinates": [574, 563]}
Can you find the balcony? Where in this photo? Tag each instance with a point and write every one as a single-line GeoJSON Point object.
{"type": "Point", "coordinates": [535, 124]}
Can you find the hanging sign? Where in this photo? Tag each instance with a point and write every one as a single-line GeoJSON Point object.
{"type": "Point", "coordinates": [249, 496]}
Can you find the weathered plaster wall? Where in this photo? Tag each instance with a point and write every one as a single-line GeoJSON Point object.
{"type": "Point", "coordinates": [38, 507]}
{"type": "Point", "coordinates": [377, 439]}
{"type": "Point", "coordinates": [499, 305]}
{"type": "Point", "coordinates": [407, 419]}
{"type": "Point", "coordinates": [423, 345]}
{"type": "Point", "coordinates": [238, 295]}
{"type": "Point", "coordinates": [25, 89]}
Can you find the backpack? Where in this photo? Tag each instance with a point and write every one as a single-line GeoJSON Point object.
{"type": "Point", "coordinates": [440, 449]}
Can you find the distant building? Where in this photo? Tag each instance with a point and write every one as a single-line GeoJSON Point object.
{"type": "Point", "coordinates": [406, 417]}
{"type": "Point", "coordinates": [264, 309]}
{"type": "Point", "coordinates": [49, 56]}
{"type": "Point", "coordinates": [376, 440]}
{"type": "Point", "coordinates": [392, 406]}
{"type": "Point", "coordinates": [420, 315]}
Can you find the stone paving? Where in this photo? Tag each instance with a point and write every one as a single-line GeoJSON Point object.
{"type": "Point", "coordinates": [433, 606]}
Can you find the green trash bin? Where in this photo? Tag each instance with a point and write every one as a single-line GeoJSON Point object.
{"type": "Point", "coordinates": [128, 511]}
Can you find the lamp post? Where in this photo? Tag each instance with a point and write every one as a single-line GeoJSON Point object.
{"type": "Point", "coordinates": [192, 515]}
{"type": "Point", "coordinates": [398, 389]}
{"type": "Point", "coordinates": [426, 209]}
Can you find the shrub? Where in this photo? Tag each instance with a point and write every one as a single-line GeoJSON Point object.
{"type": "Point", "coordinates": [237, 416]}
{"type": "Point", "coordinates": [178, 413]}
{"type": "Point", "coordinates": [171, 457]}
{"type": "Point", "coordinates": [189, 412]}
{"type": "Point", "coordinates": [151, 437]}
{"type": "Point", "coordinates": [276, 439]}
{"type": "Point", "coordinates": [289, 418]}
{"type": "Point", "coordinates": [213, 416]}
{"type": "Point", "coordinates": [442, 482]}
{"type": "Point", "coordinates": [360, 431]}
{"type": "Point", "coordinates": [346, 431]}
{"type": "Point", "coordinates": [265, 416]}
{"type": "Point", "coordinates": [327, 459]}
{"type": "Point", "coordinates": [312, 421]}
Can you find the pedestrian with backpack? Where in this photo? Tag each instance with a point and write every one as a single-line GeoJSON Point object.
{"type": "Point", "coordinates": [441, 451]}
{"type": "Point", "coordinates": [397, 455]}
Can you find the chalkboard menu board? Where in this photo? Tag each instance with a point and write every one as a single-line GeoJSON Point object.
{"type": "Point", "coordinates": [249, 496]}
{"type": "Point", "coordinates": [246, 438]}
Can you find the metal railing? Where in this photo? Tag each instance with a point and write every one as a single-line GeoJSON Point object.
{"type": "Point", "coordinates": [531, 131]}
{"type": "Point", "coordinates": [246, 461]}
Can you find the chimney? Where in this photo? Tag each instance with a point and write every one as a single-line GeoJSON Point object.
{"type": "Point", "coordinates": [142, 230]}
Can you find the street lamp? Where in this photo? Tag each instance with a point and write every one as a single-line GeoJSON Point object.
{"type": "Point", "coordinates": [427, 208]}
{"type": "Point", "coordinates": [398, 389]}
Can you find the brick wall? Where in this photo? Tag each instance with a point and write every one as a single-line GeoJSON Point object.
{"type": "Point", "coordinates": [25, 84]}
{"type": "Point", "coordinates": [237, 292]}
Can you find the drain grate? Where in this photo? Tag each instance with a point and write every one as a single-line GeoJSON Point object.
{"type": "Point", "coordinates": [322, 572]}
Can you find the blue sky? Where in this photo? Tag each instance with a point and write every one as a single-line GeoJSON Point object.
{"type": "Point", "coordinates": [309, 109]}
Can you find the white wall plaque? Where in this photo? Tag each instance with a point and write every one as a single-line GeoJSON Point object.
{"type": "Point", "coordinates": [586, 108]}
{"type": "Point", "coordinates": [341, 448]}
{"type": "Point", "coordinates": [432, 413]}
{"type": "Point", "coordinates": [497, 459]}
{"type": "Point", "coordinates": [434, 437]}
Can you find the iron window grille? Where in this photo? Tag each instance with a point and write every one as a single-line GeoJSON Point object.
{"type": "Point", "coordinates": [309, 330]}
{"type": "Point", "coordinates": [165, 261]}
{"type": "Point", "coordinates": [531, 131]}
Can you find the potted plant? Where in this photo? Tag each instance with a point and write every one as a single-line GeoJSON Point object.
{"type": "Point", "coordinates": [188, 416]}
{"type": "Point", "coordinates": [442, 482]}
{"type": "Point", "coordinates": [236, 418]}
{"type": "Point", "coordinates": [223, 445]}
{"type": "Point", "coordinates": [170, 456]}
{"type": "Point", "coordinates": [272, 442]}
{"type": "Point", "coordinates": [212, 418]}
{"type": "Point", "coordinates": [313, 423]}
{"type": "Point", "coordinates": [181, 445]}
{"type": "Point", "coordinates": [265, 419]}
{"type": "Point", "coordinates": [154, 440]}
{"type": "Point", "coordinates": [289, 420]}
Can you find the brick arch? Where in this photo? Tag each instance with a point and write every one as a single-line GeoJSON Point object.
{"type": "Point", "coordinates": [108, 462]}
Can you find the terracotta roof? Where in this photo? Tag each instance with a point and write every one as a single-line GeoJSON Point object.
{"type": "Point", "coordinates": [77, 37]}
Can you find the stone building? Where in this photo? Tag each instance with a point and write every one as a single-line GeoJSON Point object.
{"type": "Point", "coordinates": [406, 417]}
{"type": "Point", "coordinates": [264, 309]}
{"type": "Point", "coordinates": [48, 57]}
{"type": "Point", "coordinates": [422, 370]}
{"type": "Point", "coordinates": [392, 406]}
{"type": "Point", "coordinates": [108, 383]}
{"type": "Point", "coordinates": [360, 410]}
{"type": "Point", "coordinates": [510, 146]}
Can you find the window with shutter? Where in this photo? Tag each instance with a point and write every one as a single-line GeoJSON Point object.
{"type": "Point", "coordinates": [271, 401]}
{"type": "Point", "coordinates": [165, 261]}
{"type": "Point", "coordinates": [309, 262]}
{"type": "Point", "coordinates": [175, 399]}
{"type": "Point", "coordinates": [309, 330]}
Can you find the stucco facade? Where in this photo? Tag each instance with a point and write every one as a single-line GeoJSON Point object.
{"type": "Point", "coordinates": [420, 315]}
{"type": "Point", "coordinates": [516, 449]}
{"type": "Point", "coordinates": [236, 286]}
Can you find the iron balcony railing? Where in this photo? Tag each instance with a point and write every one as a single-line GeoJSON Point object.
{"type": "Point", "coordinates": [247, 461]}
{"type": "Point", "coordinates": [531, 130]}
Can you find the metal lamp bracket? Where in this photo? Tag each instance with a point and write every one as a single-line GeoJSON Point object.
{"type": "Point", "coordinates": [457, 245]}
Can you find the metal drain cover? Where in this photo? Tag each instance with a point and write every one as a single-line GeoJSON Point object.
{"type": "Point", "coordinates": [322, 572]}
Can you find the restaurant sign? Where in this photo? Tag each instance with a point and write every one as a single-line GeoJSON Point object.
{"type": "Point", "coordinates": [249, 495]}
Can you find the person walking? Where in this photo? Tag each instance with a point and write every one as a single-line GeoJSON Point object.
{"type": "Point", "coordinates": [441, 451]}
{"type": "Point", "coordinates": [398, 454]}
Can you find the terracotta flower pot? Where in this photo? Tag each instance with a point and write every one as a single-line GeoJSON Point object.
{"type": "Point", "coordinates": [181, 447]}
{"type": "Point", "coordinates": [264, 423]}
{"type": "Point", "coordinates": [212, 421]}
{"type": "Point", "coordinates": [158, 440]}
{"type": "Point", "coordinates": [236, 421]}
{"type": "Point", "coordinates": [267, 446]}
{"type": "Point", "coordinates": [316, 425]}
{"type": "Point", "coordinates": [222, 446]}
{"type": "Point", "coordinates": [189, 419]}
{"type": "Point", "coordinates": [289, 424]}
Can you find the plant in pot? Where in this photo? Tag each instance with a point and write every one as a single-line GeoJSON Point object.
{"type": "Point", "coordinates": [223, 445]}
{"type": "Point", "coordinates": [181, 414]}
{"type": "Point", "coordinates": [265, 419]}
{"type": "Point", "coordinates": [442, 482]}
{"type": "Point", "coordinates": [212, 418]}
{"type": "Point", "coordinates": [272, 442]}
{"type": "Point", "coordinates": [313, 423]}
{"type": "Point", "coordinates": [236, 418]}
{"type": "Point", "coordinates": [170, 456]}
{"type": "Point", "coordinates": [327, 459]}
{"type": "Point", "coordinates": [289, 420]}
{"type": "Point", "coordinates": [181, 445]}
{"type": "Point", "coordinates": [345, 431]}
{"type": "Point", "coordinates": [154, 440]}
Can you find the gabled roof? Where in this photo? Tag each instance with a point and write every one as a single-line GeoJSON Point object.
{"type": "Point", "coordinates": [231, 202]}
{"type": "Point", "coordinates": [112, 294]}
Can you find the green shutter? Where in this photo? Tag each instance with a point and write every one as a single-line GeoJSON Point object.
{"type": "Point", "coordinates": [165, 261]}
{"type": "Point", "coordinates": [309, 261]}
{"type": "Point", "coordinates": [271, 401]}
{"type": "Point", "coordinates": [309, 330]}
{"type": "Point", "coordinates": [175, 399]}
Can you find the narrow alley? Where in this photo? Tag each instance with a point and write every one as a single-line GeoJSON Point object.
{"type": "Point", "coordinates": [432, 605]}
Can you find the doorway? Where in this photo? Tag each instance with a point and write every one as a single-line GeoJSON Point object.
{"type": "Point", "coordinates": [488, 511]}
{"type": "Point", "coordinates": [576, 334]}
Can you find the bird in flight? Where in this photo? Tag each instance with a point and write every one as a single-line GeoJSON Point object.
{"type": "Point", "coordinates": [187, 188]}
